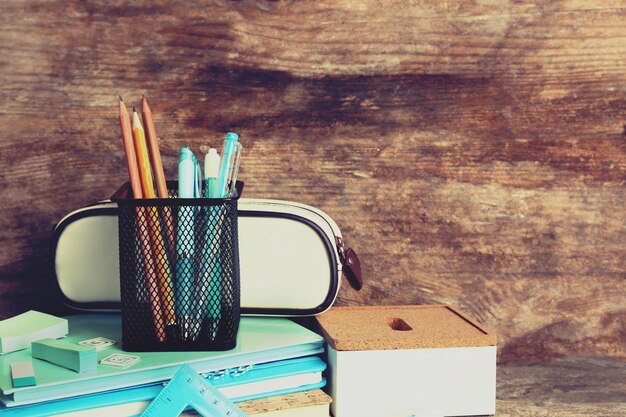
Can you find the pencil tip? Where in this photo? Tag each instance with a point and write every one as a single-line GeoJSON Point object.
{"type": "Point", "coordinates": [142, 97]}
{"type": "Point", "coordinates": [121, 98]}
{"type": "Point", "coordinates": [134, 110]}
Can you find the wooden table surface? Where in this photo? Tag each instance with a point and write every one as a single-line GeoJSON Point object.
{"type": "Point", "coordinates": [574, 386]}
{"type": "Point", "coordinates": [472, 152]}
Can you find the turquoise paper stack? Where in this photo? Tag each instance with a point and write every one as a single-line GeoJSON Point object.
{"type": "Point", "coordinates": [68, 355]}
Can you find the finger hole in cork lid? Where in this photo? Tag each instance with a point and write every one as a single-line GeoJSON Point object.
{"type": "Point", "coordinates": [398, 324]}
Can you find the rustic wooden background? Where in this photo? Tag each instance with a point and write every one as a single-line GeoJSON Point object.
{"type": "Point", "coordinates": [473, 152]}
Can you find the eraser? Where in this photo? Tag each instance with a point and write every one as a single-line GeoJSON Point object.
{"type": "Point", "coordinates": [23, 374]}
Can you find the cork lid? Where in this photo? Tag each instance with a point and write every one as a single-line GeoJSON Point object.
{"type": "Point", "coordinates": [401, 327]}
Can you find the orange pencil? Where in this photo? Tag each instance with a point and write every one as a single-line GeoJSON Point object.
{"type": "Point", "coordinates": [154, 225]}
{"type": "Point", "coordinates": [153, 147]}
{"type": "Point", "coordinates": [133, 169]}
{"type": "Point", "coordinates": [131, 158]}
{"type": "Point", "coordinates": [157, 169]}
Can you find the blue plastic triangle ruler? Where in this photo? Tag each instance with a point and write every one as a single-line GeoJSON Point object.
{"type": "Point", "coordinates": [187, 388]}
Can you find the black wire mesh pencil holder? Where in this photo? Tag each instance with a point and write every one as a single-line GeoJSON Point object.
{"type": "Point", "coordinates": [179, 272]}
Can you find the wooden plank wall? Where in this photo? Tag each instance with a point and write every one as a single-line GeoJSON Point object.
{"type": "Point", "coordinates": [473, 152]}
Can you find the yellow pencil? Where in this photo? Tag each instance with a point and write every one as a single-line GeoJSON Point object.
{"type": "Point", "coordinates": [154, 225]}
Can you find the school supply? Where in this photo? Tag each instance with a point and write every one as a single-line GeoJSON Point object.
{"type": "Point", "coordinates": [187, 388]}
{"type": "Point", "coordinates": [143, 160]}
{"type": "Point", "coordinates": [157, 169]}
{"type": "Point", "coordinates": [211, 270]}
{"type": "Point", "coordinates": [189, 186]}
{"type": "Point", "coordinates": [129, 148]}
{"type": "Point", "coordinates": [291, 258]}
{"type": "Point", "coordinates": [242, 383]}
{"type": "Point", "coordinates": [152, 223]}
{"type": "Point", "coordinates": [97, 343]}
{"type": "Point", "coordinates": [153, 148]}
{"type": "Point", "coordinates": [66, 354]}
{"type": "Point", "coordinates": [259, 340]}
{"type": "Point", "coordinates": [20, 331]}
{"type": "Point", "coordinates": [194, 222]}
{"type": "Point", "coordinates": [22, 374]}
{"type": "Point", "coordinates": [120, 360]}
{"type": "Point", "coordinates": [141, 213]}
{"type": "Point", "coordinates": [229, 166]}
{"type": "Point", "coordinates": [421, 361]}
{"type": "Point", "coordinates": [211, 172]}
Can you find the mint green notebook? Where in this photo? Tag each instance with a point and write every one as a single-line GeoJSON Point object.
{"type": "Point", "coordinates": [260, 339]}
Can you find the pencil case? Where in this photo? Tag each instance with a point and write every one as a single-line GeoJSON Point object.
{"type": "Point", "coordinates": [292, 257]}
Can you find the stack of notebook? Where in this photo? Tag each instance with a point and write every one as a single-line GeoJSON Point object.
{"type": "Point", "coordinates": [274, 356]}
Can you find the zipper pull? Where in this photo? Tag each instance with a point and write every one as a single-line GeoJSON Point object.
{"type": "Point", "coordinates": [351, 265]}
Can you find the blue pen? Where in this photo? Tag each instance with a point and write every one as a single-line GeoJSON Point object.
{"type": "Point", "coordinates": [189, 185]}
{"type": "Point", "coordinates": [232, 149]}
{"type": "Point", "coordinates": [224, 187]}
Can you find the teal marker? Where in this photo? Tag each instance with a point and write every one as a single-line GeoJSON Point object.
{"type": "Point", "coordinates": [189, 185]}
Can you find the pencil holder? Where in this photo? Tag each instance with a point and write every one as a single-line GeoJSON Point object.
{"type": "Point", "coordinates": [179, 272]}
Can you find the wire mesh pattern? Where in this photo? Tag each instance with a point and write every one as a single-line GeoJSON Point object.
{"type": "Point", "coordinates": [179, 274]}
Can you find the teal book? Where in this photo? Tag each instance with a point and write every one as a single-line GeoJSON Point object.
{"type": "Point", "coordinates": [259, 340]}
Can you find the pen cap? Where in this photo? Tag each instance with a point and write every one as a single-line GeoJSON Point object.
{"type": "Point", "coordinates": [189, 174]}
{"type": "Point", "coordinates": [211, 164]}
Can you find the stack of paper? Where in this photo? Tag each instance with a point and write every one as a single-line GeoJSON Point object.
{"type": "Point", "coordinates": [273, 357]}
{"type": "Point", "coordinates": [66, 354]}
{"type": "Point", "coordinates": [20, 331]}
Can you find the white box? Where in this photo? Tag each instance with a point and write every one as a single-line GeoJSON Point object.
{"type": "Point", "coordinates": [407, 361]}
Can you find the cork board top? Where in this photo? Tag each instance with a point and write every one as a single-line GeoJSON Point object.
{"type": "Point", "coordinates": [401, 327]}
{"type": "Point", "coordinates": [285, 402]}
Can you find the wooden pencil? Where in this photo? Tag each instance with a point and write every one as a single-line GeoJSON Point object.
{"type": "Point", "coordinates": [131, 158]}
{"type": "Point", "coordinates": [135, 181]}
{"type": "Point", "coordinates": [153, 148]}
{"type": "Point", "coordinates": [143, 160]}
{"type": "Point", "coordinates": [154, 224]}
{"type": "Point", "coordinates": [157, 169]}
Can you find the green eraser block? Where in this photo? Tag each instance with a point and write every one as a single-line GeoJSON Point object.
{"type": "Point", "coordinates": [66, 354]}
{"type": "Point", "coordinates": [23, 374]}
